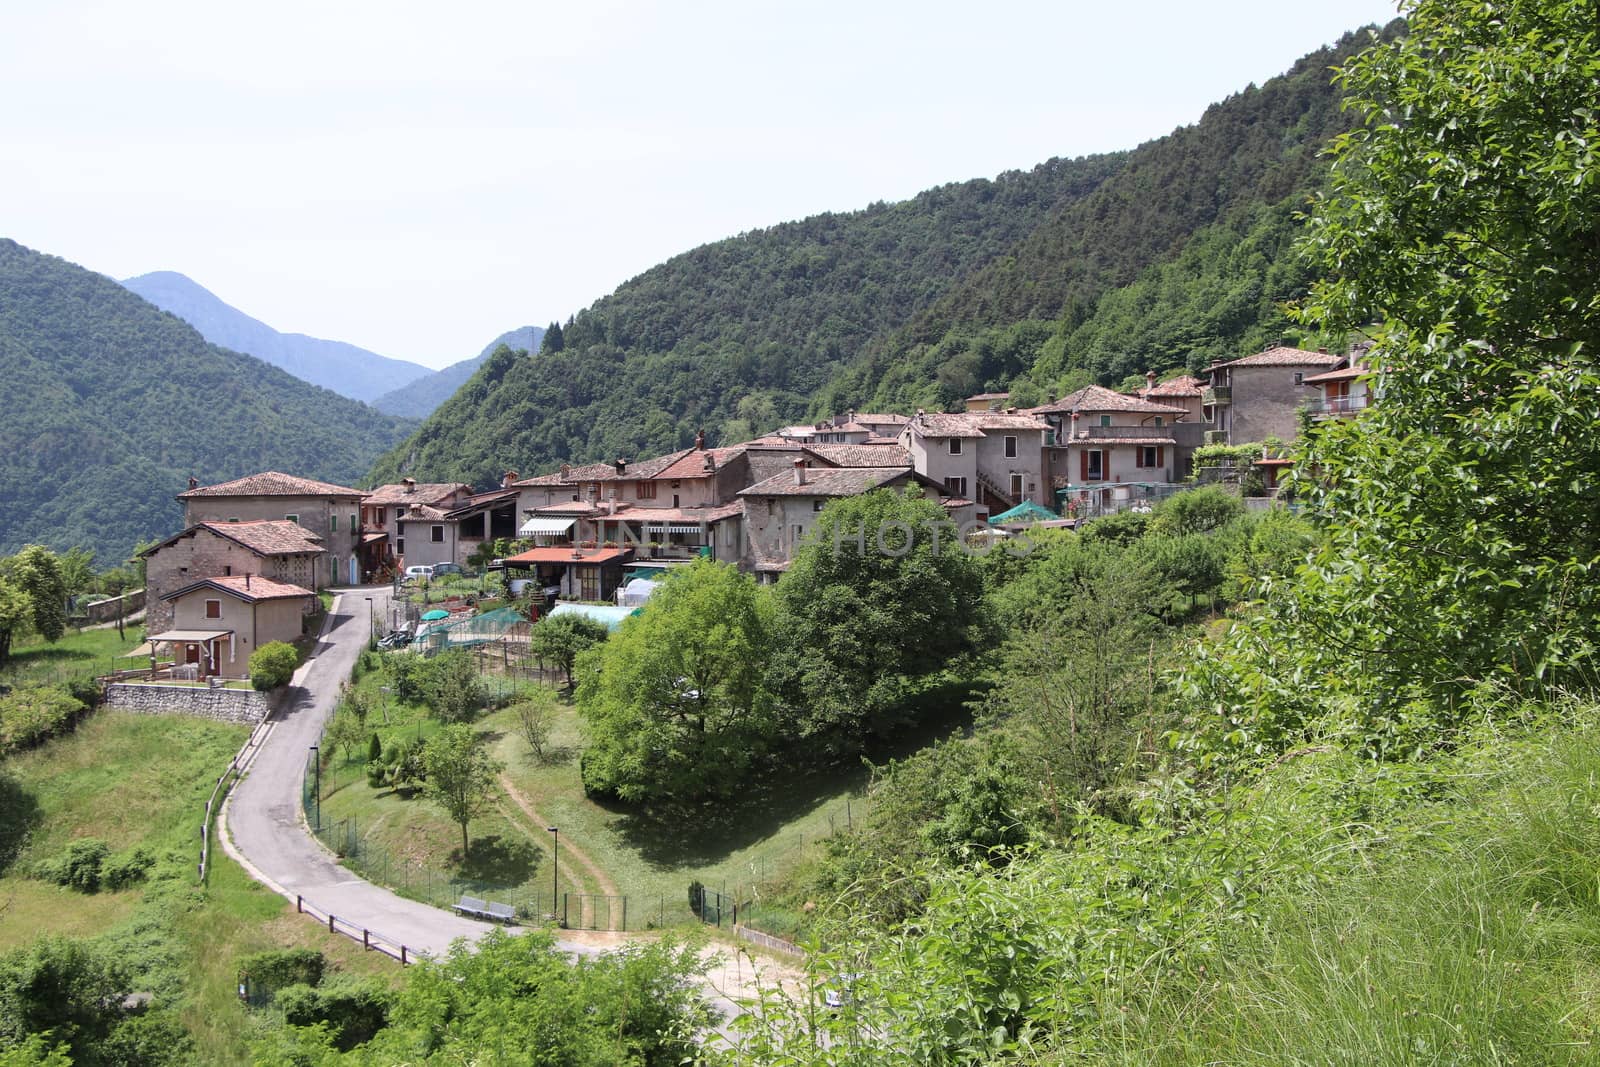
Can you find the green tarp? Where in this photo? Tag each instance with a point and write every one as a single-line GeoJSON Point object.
{"type": "Point", "coordinates": [1027, 511]}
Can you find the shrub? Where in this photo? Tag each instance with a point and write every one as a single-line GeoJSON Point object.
{"type": "Point", "coordinates": [79, 867]}
{"type": "Point", "coordinates": [29, 716]}
{"type": "Point", "coordinates": [281, 968]}
{"type": "Point", "coordinates": [127, 869]}
{"type": "Point", "coordinates": [354, 1010]}
{"type": "Point", "coordinates": [272, 665]}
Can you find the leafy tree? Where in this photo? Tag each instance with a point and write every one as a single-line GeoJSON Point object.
{"type": "Point", "coordinates": [451, 687]}
{"type": "Point", "coordinates": [272, 665]}
{"type": "Point", "coordinates": [561, 638]}
{"type": "Point", "coordinates": [673, 704]}
{"type": "Point", "coordinates": [460, 775]}
{"type": "Point", "coordinates": [16, 615]}
{"type": "Point", "coordinates": [347, 732]}
{"type": "Point", "coordinates": [1196, 511]}
{"type": "Point", "coordinates": [553, 339]}
{"type": "Point", "coordinates": [881, 601]}
{"type": "Point", "coordinates": [77, 570]}
{"type": "Point", "coordinates": [37, 572]}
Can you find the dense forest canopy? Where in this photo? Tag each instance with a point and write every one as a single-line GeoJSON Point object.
{"type": "Point", "coordinates": [113, 404]}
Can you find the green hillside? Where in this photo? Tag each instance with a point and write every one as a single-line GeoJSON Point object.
{"type": "Point", "coordinates": [1181, 259]}
{"type": "Point", "coordinates": [112, 404]}
{"type": "Point", "coordinates": [774, 312]}
{"type": "Point", "coordinates": [1173, 253]}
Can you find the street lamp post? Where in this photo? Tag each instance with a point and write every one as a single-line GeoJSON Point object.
{"type": "Point", "coordinates": [372, 619]}
{"type": "Point", "coordinates": [316, 765]}
{"type": "Point", "coordinates": [555, 869]}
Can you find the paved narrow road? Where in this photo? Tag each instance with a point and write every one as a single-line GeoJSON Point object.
{"type": "Point", "coordinates": [262, 826]}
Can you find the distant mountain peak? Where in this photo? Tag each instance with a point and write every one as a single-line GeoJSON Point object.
{"type": "Point", "coordinates": [344, 368]}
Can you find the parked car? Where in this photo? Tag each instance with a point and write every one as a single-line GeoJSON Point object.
{"type": "Point", "coordinates": [421, 570]}
{"type": "Point", "coordinates": [441, 569]}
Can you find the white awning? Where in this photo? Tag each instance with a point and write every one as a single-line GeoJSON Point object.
{"type": "Point", "coordinates": [671, 527]}
{"type": "Point", "coordinates": [189, 635]}
{"type": "Point", "coordinates": [545, 526]}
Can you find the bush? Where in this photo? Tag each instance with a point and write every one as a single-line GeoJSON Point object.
{"type": "Point", "coordinates": [79, 867]}
{"type": "Point", "coordinates": [354, 1010]}
{"type": "Point", "coordinates": [127, 869]}
{"type": "Point", "coordinates": [281, 968]}
{"type": "Point", "coordinates": [29, 716]}
{"type": "Point", "coordinates": [272, 665]}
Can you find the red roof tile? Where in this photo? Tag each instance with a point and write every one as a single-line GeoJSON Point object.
{"type": "Point", "coordinates": [421, 493]}
{"type": "Point", "coordinates": [265, 537]}
{"type": "Point", "coordinates": [1097, 398]}
{"type": "Point", "coordinates": [247, 587]}
{"type": "Point", "coordinates": [271, 483]}
{"type": "Point", "coordinates": [1283, 356]}
{"type": "Point", "coordinates": [1182, 386]}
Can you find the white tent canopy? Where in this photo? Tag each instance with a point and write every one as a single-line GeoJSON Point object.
{"type": "Point", "coordinates": [636, 592]}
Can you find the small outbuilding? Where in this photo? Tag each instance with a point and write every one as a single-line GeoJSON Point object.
{"type": "Point", "coordinates": [218, 622]}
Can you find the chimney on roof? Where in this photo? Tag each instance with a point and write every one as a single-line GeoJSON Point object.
{"type": "Point", "coordinates": [410, 484]}
{"type": "Point", "coordinates": [850, 416]}
{"type": "Point", "coordinates": [1149, 380]}
{"type": "Point", "coordinates": [247, 579]}
{"type": "Point", "coordinates": [194, 483]}
{"type": "Point", "coordinates": [621, 465]}
{"type": "Point", "coordinates": [700, 440]}
{"type": "Point", "coordinates": [799, 472]}
{"type": "Point", "coordinates": [507, 479]}
{"type": "Point", "coordinates": [565, 470]}
{"type": "Point", "coordinates": [711, 463]}
{"type": "Point", "coordinates": [1050, 398]}
{"type": "Point", "coordinates": [1322, 351]}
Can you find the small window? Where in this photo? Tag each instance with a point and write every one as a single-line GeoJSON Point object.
{"type": "Point", "coordinates": [227, 571]}
{"type": "Point", "coordinates": [644, 490]}
{"type": "Point", "coordinates": [1105, 420]}
{"type": "Point", "coordinates": [400, 546]}
{"type": "Point", "coordinates": [1147, 456]}
{"type": "Point", "coordinates": [333, 523]}
{"type": "Point", "coordinates": [354, 526]}
{"type": "Point", "coordinates": [1299, 377]}
{"type": "Point", "coordinates": [816, 505]}
{"type": "Point", "coordinates": [401, 510]}
{"type": "Point", "coordinates": [436, 534]}
{"type": "Point", "coordinates": [382, 516]}
{"type": "Point", "coordinates": [956, 486]}
{"type": "Point", "coordinates": [955, 446]}
{"type": "Point", "coordinates": [675, 501]}
{"type": "Point", "coordinates": [1160, 421]}
{"type": "Point", "coordinates": [234, 519]}
{"type": "Point", "coordinates": [292, 518]}
{"type": "Point", "coordinates": [213, 609]}
{"type": "Point", "coordinates": [1011, 447]}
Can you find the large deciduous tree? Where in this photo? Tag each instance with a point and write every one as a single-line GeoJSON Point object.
{"type": "Point", "coordinates": [38, 572]}
{"type": "Point", "coordinates": [673, 704]}
{"type": "Point", "coordinates": [16, 615]}
{"type": "Point", "coordinates": [560, 638]}
{"type": "Point", "coordinates": [882, 599]}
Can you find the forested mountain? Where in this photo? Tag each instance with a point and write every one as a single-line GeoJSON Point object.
{"type": "Point", "coordinates": [1182, 259]}
{"type": "Point", "coordinates": [418, 399]}
{"type": "Point", "coordinates": [1174, 253]}
{"type": "Point", "coordinates": [347, 370]}
{"type": "Point", "coordinates": [774, 312]}
{"type": "Point", "coordinates": [111, 404]}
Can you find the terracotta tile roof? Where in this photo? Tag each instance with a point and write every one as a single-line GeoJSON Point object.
{"type": "Point", "coordinates": [990, 396]}
{"type": "Point", "coordinates": [693, 464]}
{"type": "Point", "coordinates": [1346, 374]}
{"type": "Point", "coordinates": [421, 493]}
{"type": "Point", "coordinates": [1185, 385]}
{"type": "Point", "coordinates": [867, 418]}
{"type": "Point", "coordinates": [1097, 398]}
{"type": "Point", "coordinates": [864, 455]}
{"type": "Point", "coordinates": [269, 537]}
{"type": "Point", "coordinates": [973, 423]}
{"type": "Point", "coordinates": [835, 481]}
{"type": "Point", "coordinates": [1283, 356]}
{"type": "Point", "coordinates": [247, 587]}
{"type": "Point", "coordinates": [543, 479]}
{"type": "Point", "coordinates": [422, 513]}
{"type": "Point", "coordinates": [271, 483]}
{"type": "Point", "coordinates": [561, 554]}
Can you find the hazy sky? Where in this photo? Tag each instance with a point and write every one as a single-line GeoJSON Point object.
{"type": "Point", "coordinates": [418, 178]}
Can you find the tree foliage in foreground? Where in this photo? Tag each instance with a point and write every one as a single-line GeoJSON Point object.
{"type": "Point", "coordinates": [520, 1002]}
{"type": "Point", "coordinates": [1463, 537]}
{"type": "Point", "coordinates": [673, 704]}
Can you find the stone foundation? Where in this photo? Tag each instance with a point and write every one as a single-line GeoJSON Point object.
{"type": "Point", "coordinates": [245, 707]}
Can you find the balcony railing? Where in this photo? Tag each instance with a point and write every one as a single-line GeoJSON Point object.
{"type": "Point", "coordinates": [1337, 405]}
{"type": "Point", "coordinates": [1113, 433]}
{"type": "Point", "coordinates": [1217, 394]}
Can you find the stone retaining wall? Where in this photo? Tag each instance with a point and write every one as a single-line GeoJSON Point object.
{"type": "Point", "coordinates": [243, 706]}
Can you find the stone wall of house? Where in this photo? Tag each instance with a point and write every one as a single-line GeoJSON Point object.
{"type": "Point", "coordinates": [243, 706]}
{"type": "Point", "coordinates": [1266, 403]}
{"type": "Point", "coordinates": [207, 555]}
{"type": "Point", "coordinates": [335, 520]}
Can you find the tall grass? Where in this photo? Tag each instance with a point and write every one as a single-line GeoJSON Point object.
{"type": "Point", "coordinates": [1476, 940]}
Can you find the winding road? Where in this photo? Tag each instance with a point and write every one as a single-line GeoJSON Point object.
{"type": "Point", "coordinates": [263, 829]}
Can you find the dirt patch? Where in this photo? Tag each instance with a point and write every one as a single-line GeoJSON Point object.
{"type": "Point", "coordinates": [573, 852]}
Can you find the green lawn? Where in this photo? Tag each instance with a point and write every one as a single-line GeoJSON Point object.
{"type": "Point", "coordinates": [78, 655]}
{"type": "Point", "coordinates": [143, 779]}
